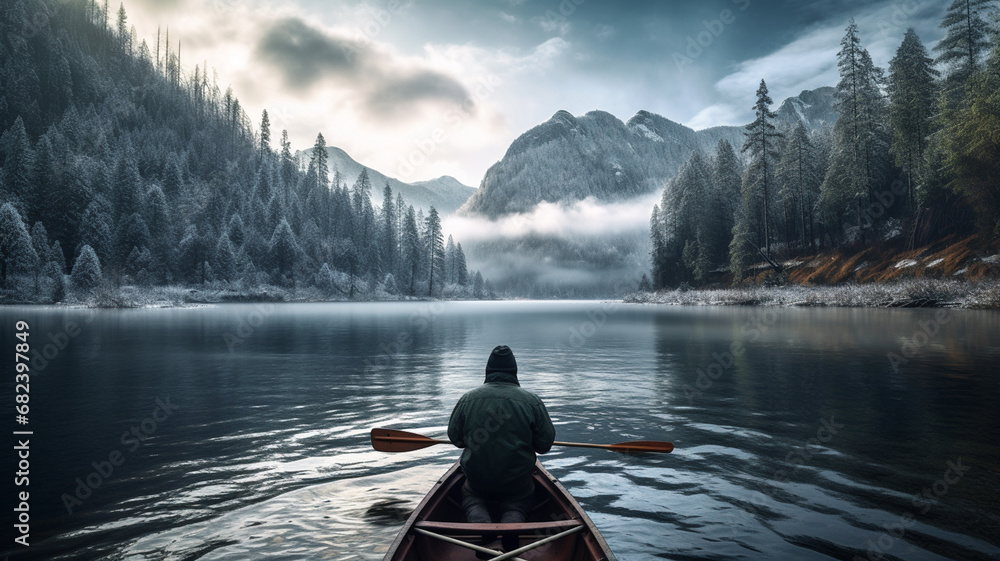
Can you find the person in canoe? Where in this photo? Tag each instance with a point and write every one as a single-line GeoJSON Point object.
{"type": "Point", "coordinates": [501, 427]}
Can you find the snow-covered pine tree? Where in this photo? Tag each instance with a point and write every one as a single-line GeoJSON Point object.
{"type": "Point", "coordinates": [283, 251]}
{"type": "Point", "coordinates": [58, 258]}
{"type": "Point", "coordinates": [478, 288]}
{"type": "Point", "coordinates": [682, 213]}
{"type": "Point", "coordinates": [762, 142]}
{"type": "Point", "coordinates": [86, 273]}
{"type": "Point", "coordinates": [173, 178]}
{"type": "Point", "coordinates": [435, 251]}
{"type": "Point", "coordinates": [461, 267]}
{"type": "Point", "coordinates": [287, 167]}
{"type": "Point", "coordinates": [324, 279]}
{"type": "Point", "coordinates": [17, 253]}
{"type": "Point", "coordinates": [860, 161]}
{"type": "Point", "coordinates": [44, 190]}
{"type": "Point", "coordinates": [137, 265]}
{"type": "Point", "coordinates": [40, 242]}
{"type": "Point", "coordinates": [162, 240]}
{"type": "Point", "coordinates": [18, 164]}
{"type": "Point", "coordinates": [224, 259]}
{"type": "Point", "coordinates": [59, 289]}
{"type": "Point", "coordinates": [412, 250]}
{"type": "Point", "coordinates": [388, 232]}
{"type": "Point", "coordinates": [364, 222]}
{"type": "Point", "coordinates": [193, 251]}
{"type": "Point", "coordinates": [400, 215]}
{"type": "Point", "coordinates": [389, 284]}
{"type": "Point", "coordinates": [95, 229]}
{"type": "Point", "coordinates": [741, 252]}
{"type": "Point", "coordinates": [125, 194]}
{"type": "Point", "coordinates": [658, 254]}
{"type": "Point", "coordinates": [965, 42]}
{"type": "Point", "coordinates": [265, 138]}
{"type": "Point", "coordinates": [798, 179]}
{"type": "Point", "coordinates": [727, 180]}
{"type": "Point", "coordinates": [876, 137]}
{"type": "Point", "coordinates": [912, 93]}
{"type": "Point", "coordinates": [320, 164]}
{"type": "Point", "coordinates": [69, 198]}
{"type": "Point", "coordinates": [448, 273]}
{"type": "Point", "coordinates": [132, 232]}
{"type": "Point", "coordinates": [236, 230]}
{"type": "Point", "coordinates": [347, 259]}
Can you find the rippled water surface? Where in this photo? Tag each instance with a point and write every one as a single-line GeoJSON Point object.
{"type": "Point", "coordinates": [797, 437]}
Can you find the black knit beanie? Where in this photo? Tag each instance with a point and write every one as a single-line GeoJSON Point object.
{"type": "Point", "coordinates": [501, 360]}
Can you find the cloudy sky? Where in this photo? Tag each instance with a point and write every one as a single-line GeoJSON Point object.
{"type": "Point", "coordinates": [423, 88]}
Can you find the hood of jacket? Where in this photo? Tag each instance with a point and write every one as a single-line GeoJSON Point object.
{"type": "Point", "coordinates": [499, 377]}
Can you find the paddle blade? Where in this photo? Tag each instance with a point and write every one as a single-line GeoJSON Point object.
{"type": "Point", "coordinates": [642, 446]}
{"type": "Point", "coordinates": [388, 440]}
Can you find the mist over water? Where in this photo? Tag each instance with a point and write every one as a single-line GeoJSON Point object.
{"type": "Point", "coordinates": [795, 436]}
{"type": "Point", "coordinates": [580, 249]}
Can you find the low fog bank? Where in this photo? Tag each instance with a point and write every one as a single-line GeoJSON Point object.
{"type": "Point", "coordinates": [579, 250]}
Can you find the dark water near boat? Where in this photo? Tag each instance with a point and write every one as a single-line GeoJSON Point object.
{"type": "Point", "coordinates": [796, 436]}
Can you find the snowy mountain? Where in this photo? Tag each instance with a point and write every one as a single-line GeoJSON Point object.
{"type": "Point", "coordinates": [814, 108]}
{"type": "Point", "coordinates": [601, 177]}
{"type": "Point", "coordinates": [569, 158]}
{"type": "Point", "coordinates": [596, 155]}
{"type": "Point", "coordinates": [445, 193]}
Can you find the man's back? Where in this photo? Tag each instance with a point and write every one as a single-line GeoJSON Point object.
{"type": "Point", "coordinates": [501, 426]}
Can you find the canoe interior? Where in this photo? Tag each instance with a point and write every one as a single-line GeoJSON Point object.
{"type": "Point", "coordinates": [555, 511]}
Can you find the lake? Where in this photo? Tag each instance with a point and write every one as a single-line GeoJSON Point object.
{"type": "Point", "coordinates": [239, 431]}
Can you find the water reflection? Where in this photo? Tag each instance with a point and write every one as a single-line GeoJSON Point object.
{"type": "Point", "coordinates": [267, 453]}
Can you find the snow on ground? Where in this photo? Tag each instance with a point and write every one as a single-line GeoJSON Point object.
{"type": "Point", "coordinates": [907, 293]}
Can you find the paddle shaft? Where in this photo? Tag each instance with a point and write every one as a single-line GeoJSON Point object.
{"type": "Point", "coordinates": [583, 445]}
{"type": "Point", "coordinates": [388, 440]}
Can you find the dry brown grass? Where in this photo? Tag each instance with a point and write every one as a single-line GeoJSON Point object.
{"type": "Point", "coordinates": [949, 258]}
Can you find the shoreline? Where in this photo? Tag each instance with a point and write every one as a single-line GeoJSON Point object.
{"type": "Point", "coordinates": [908, 293]}
{"type": "Point", "coordinates": [175, 296]}
{"type": "Point", "coordinates": [911, 293]}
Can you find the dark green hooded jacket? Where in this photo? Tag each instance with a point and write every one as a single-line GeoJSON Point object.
{"type": "Point", "coordinates": [501, 427]}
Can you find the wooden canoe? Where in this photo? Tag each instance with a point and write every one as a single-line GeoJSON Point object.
{"type": "Point", "coordinates": [558, 524]}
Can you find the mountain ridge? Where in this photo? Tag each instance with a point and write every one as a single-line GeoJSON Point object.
{"type": "Point", "coordinates": [570, 158]}
{"type": "Point", "coordinates": [445, 193]}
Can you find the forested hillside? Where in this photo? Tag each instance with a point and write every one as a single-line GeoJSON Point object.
{"type": "Point", "coordinates": [445, 194]}
{"type": "Point", "coordinates": [121, 167]}
{"type": "Point", "coordinates": [914, 157]}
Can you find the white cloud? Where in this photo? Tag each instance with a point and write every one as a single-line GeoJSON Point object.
{"type": "Point", "coordinates": [810, 60]}
{"type": "Point", "coordinates": [715, 115]}
{"type": "Point", "coordinates": [582, 219]}
{"type": "Point", "coordinates": [378, 104]}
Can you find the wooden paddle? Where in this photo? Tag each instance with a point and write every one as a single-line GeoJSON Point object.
{"type": "Point", "coordinates": [388, 440]}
